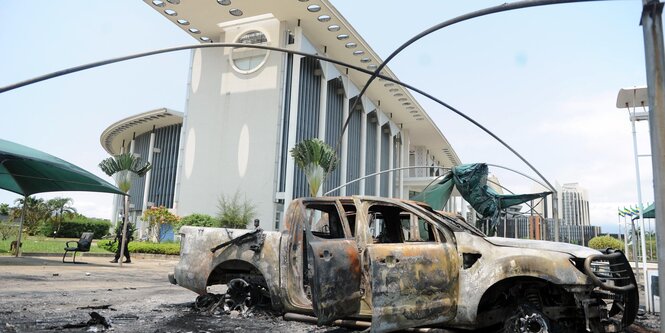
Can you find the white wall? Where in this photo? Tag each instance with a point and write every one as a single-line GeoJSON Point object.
{"type": "Point", "coordinates": [231, 129]}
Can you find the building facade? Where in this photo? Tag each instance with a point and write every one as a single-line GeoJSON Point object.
{"type": "Point", "coordinates": [247, 108]}
{"type": "Point", "coordinates": [538, 228]}
{"type": "Point", "coordinates": [153, 136]}
{"type": "Point", "coordinates": [573, 204]}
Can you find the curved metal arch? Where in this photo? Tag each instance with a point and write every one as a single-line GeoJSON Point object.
{"type": "Point", "coordinates": [174, 49]}
{"type": "Point", "coordinates": [271, 48]}
{"type": "Point", "coordinates": [517, 172]}
{"type": "Point", "coordinates": [491, 10]}
{"type": "Point", "coordinates": [385, 171]}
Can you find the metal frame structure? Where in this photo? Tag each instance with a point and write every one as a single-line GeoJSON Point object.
{"type": "Point", "coordinates": [651, 22]}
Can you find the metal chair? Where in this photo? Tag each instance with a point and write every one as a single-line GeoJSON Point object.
{"type": "Point", "coordinates": [82, 245]}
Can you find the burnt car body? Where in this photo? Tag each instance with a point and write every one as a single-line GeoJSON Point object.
{"type": "Point", "coordinates": [400, 264]}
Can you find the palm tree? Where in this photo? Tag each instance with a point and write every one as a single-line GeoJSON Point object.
{"type": "Point", "coordinates": [123, 168]}
{"type": "Point", "coordinates": [61, 207]}
{"type": "Point", "coordinates": [35, 210]}
{"type": "Point", "coordinates": [316, 159]}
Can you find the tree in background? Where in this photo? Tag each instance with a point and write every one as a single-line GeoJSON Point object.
{"type": "Point", "coordinates": [60, 208]}
{"type": "Point", "coordinates": [316, 159]}
{"type": "Point", "coordinates": [160, 221]}
{"type": "Point", "coordinates": [235, 212]}
{"type": "Point", "coordinates": [123, 168]}
{"type": "Point", "coordinates": [36, 211]}
{"type": "Point", "coordinates": [4, 209]}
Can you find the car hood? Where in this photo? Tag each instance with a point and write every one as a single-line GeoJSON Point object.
{"type": "Point", "coordinates": [575, 250]}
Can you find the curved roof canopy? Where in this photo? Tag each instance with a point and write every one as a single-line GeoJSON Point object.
{"type": "Point", "coordinates": [122, 132]}
{"type": "Point", "coordinates": [333, 35]}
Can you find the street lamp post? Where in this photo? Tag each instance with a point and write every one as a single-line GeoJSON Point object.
{"type": "Point", "coordinates": [654, 49]}
{"type": "Point", "coordinates": [631, 98]}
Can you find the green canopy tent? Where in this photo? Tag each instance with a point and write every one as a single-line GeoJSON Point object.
{"type": "Point", "coordinates": [471, 181]}
{"type": "Point", "coordinates": [649, 212]}
{"type": "Point", "coordinates": [26, 171]}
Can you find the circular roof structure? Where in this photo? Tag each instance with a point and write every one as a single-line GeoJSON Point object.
{"type": "Point", "coordinates": [123, 131]}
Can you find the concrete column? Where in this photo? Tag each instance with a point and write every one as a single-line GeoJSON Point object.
{"type": "Point", "coordinates": [323, 109]}
{"type": "Point", "coordinates": [377, 183]}
{"type": "Point", "coordinates": [344, 149]}
{"type": "Point", "coordinates": [363, 151]}
{"type": "Point", "coordinates": [148, 177]}
{"type": "Point", "coordinates": [391, 155]}
{"type": "Point", "coordinates": [293, 120]}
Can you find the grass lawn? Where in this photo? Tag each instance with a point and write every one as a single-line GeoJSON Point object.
{"type": "Point", "coordinates": [41, 244]}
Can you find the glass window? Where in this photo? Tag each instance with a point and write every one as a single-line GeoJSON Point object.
{"type": "Point", "coordinates": [325, 220]}
{"type": "Point", "coordinates": [246, 60]}
{"type": "Point", "coordinates": [393, 224]}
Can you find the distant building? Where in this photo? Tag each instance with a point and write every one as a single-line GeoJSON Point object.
{"type": "Point", "coordinates": [535, 227]}
{"type": "Point", "coordinates": [153, 136]}
{"type": "Point", "coordinates": [573, 205]}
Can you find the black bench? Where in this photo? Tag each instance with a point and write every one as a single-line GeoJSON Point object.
{"type": "Point", "coordinates": [82, 245]}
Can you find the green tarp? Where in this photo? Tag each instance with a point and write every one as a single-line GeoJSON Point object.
{"type": "Point", "coordinates": [650, 212]}
{"type": "Point", "coordinates": [436, 195]}
{"type": "Point", "coordinates": [471, 181]}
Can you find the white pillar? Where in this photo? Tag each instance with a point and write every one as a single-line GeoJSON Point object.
{"type": "Point", "coordinates": [377, 182]}
{"type": "Point", "coordinates": [148, 178]}
{"type": "Point", "coordinates": [404, 161]}
{"type": "Point", "coordinates": [323, 109]}
{"type": "Point", "coordinates": [363, 151]}
{"type": "Point", "coordinates": [391, 148]}
{"type": "Point", "coordinates": [344, 149]}
{"type": "Point", "coordinates": [291, 141]}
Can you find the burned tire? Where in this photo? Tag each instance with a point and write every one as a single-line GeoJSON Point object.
{"type": "Point", "coordinates": [238, 296]}
{"type": "Point", "coordinates": [526, 319]}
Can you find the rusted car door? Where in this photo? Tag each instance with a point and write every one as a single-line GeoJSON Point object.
{"type": "Point", "coordinates": [411, 286]}
{"type": "Point", "coordinates": [335, 280]}
{"type": "Point", "coordinates": [414, 277]}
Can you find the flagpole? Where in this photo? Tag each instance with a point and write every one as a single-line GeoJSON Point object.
{"type": "Point", "coordinates": [625, 237]}
{"type": "Point", "coordinates": [635, 241]}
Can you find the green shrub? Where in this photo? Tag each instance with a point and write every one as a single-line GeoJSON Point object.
{"type": "Point", "coordinates": [107, 244]}
{"type": "Point", "coordinates": [198, 220]}
{"type": "Point", "coordinates": [8, 231]}
{"type": "Point", "coordinates": [155, 248]}
{"type": "Point", "coordinates": [604, 242]}
{"type": "Point", "coordinates": [74, 228]}
{"type": "Point", "coordinates": [172, 248]}
{"type": "Point", "coordinates": [235, 212]}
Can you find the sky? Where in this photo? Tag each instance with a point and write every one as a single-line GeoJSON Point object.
{"type": "Point", "coordinates": [545, 80]}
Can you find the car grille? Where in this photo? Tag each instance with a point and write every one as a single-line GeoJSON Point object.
{"type": "Point", "coordinates": [610, 271]}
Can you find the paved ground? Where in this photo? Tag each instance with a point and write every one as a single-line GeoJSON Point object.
{"type": "Point", "coordinates": [41, 294]}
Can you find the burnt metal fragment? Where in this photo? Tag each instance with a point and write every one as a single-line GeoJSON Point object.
{"type": "Point", "coordinates": [95, 319]}
{"type": "Point", "coordinates": [257, 236]}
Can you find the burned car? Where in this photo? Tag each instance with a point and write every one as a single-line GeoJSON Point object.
{"type": "Point", "coordinates": [400, 264]}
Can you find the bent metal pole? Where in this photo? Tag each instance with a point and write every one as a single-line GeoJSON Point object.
{"type": "Point", "coordinates": [487, 11]}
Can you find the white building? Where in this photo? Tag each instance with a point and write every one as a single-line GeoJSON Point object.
{"type": "Point", "coordinates": [574, 205]}
{"type": "Point", "coordinates": [246, 108]}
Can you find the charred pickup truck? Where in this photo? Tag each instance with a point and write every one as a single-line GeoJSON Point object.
{"type": "Point", "coordinates": [400, 264]}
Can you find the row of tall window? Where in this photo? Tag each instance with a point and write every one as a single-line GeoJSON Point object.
{"type": "Point", "coordinates": [163, 172]}
{"type": "Point", "coordinates": [308, 124]}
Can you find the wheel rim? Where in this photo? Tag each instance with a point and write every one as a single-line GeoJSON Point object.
{"type": "Point", "coordinates": [533, 323]}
